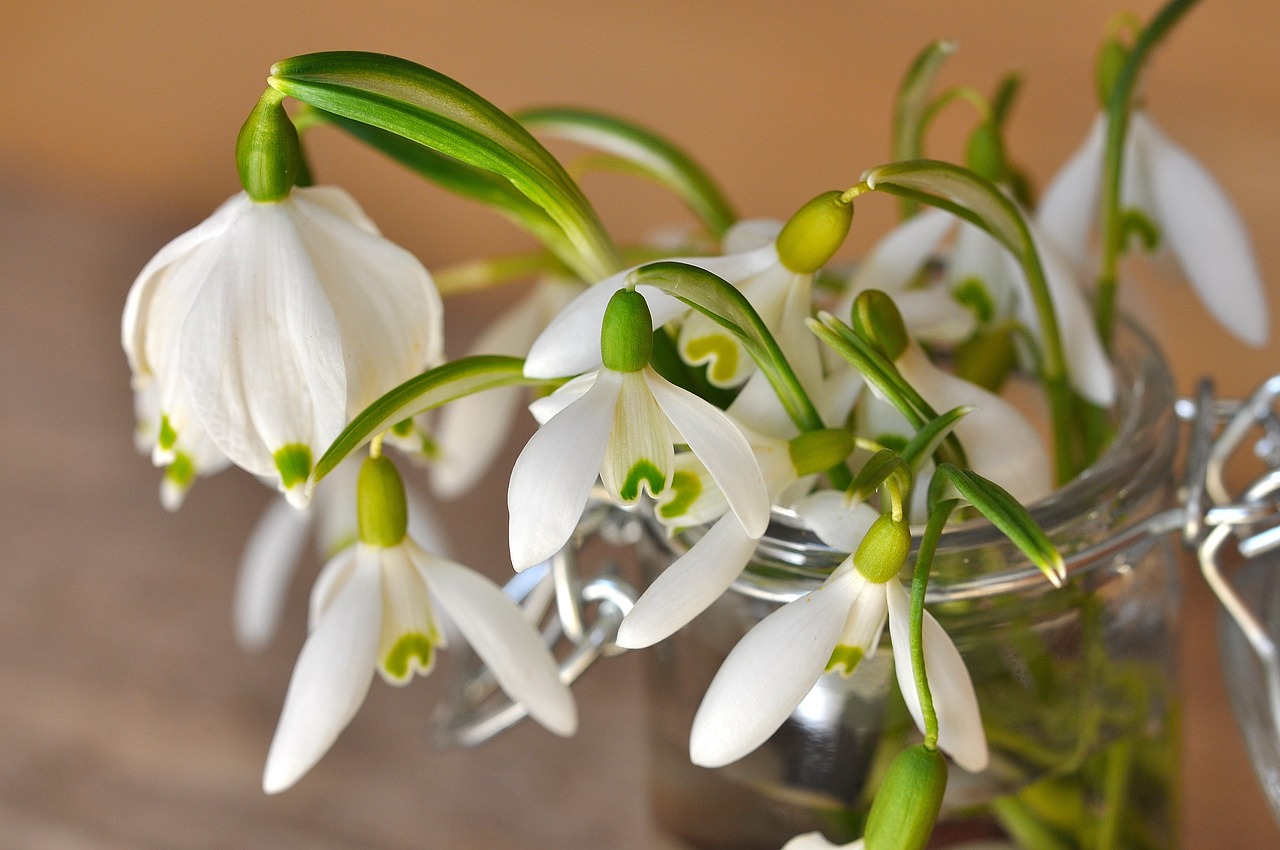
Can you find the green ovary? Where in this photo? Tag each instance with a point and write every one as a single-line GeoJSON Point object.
{"type": "Point", "coordinates": [412, 651]}
{"type": "Point", "coordinates": [845, 659]}
{"type": "Point", "coordinates": [721, 351]}
{"type": "Point", "coordinates": [687, 488]}
{"type": "Point", "coordinates": [642, 470]}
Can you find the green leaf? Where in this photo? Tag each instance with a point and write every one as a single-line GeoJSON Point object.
{"type": "Point", "coordinates": [647, 154]}
{"type": "Point", "coordinates": [993, 211]}
{"type": "Point", "coordinates": [428, 108]}
{"type": "Point", "coordinates": [877, 471]}
{"type": "Point", "coordinates": [1005, 513]}
{"type": "Point", "coordinates": [913, 100]}
{"type": "Point", "coordinates": [432, 388]}
{"type": "Point", "coordinates": [468, 181]}
{"type": "Point", "coordinates": [931, 435]}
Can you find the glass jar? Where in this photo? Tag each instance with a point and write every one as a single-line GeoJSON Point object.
{"type": "Point", "coordinates": [1075, 684]}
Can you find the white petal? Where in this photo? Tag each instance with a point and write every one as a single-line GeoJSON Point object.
{"type": "Point", "coordinates": [570, 344]}
{"type": "Point", "coordinates": [685, 589]}
{"type": "Point", "coordinates": [749, 234]}
{"type": "Point", "coordinates": [266, 566]}
{"type": "Point", "coordinates": [333, 577]}
{"type": "Point", "coordinates": [767, 674]}
{"type": "Point", "coordinates": [473, 430]}
{"type": "Point", "coordinates": [329, 681]}
{"type": "Point", "coordinates": [503, 638]}
{"type": "Point", "coordinates": [1201, 226]}
{"type": "Point", "coordinates": [693, 497]}
{"type": "Point", "coordinates": [386, 304]}
{"type": "Point", "coordinates": [335, 506]}
{"type": "Point", "coordinates": [721, 447]}
{"type": "Point", "coordinates": [640, 455]}
{"type": "Point", "coordinates": [261, 351]}
{"type": "Point", "coordinates": [960, 733]}
{"type": "Point", "coordinates": [542, 409]}
{"type": "Point", "coordinates": [815, 841]}
{"type": "Point", "coordinates": [838, 521]}
{"type": "Point", "coordinates": [424, 525]}
{"type": "Point", "coordinates": [998, 441]}
{"type": "Point", "coordinates": [1069, 208]}
{"type": "Point", "coordinates": [410, 635]}
{"type": "Point", "coordinates": [896, 259]}
{"type": "Point", "coordinates": [932, 315]}
{"type": "Point", "coordinates": [337, 201]}
{"type": "Point", "coordinates": [977, 256]}
{"type": "Point", "coordinates": [552, 477]}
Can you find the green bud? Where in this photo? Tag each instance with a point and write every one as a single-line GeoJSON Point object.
{"type": "Point", "coordinates": [815, 233]}
{"type": "Point", "coordinates": [626, 336]}
{"type": "Point", "coordinates": [883, 550]}
{"type": "Point", "coordinates": [1111, 58]}
{"type": "Point", "coordinates": [985, 152]}
{"type": "Point", "coordinates": [987, 358]}
{"type": "Point", "coordinates": [815, 451]}
{"type": "Point", "coordinates": [381, 513]}
{"type": "Point", "coordinates": [877, 320]}
{"type": "Point", "coordinates": [906, 806]}
{"type": "Point", "coordinates": [268, 154]}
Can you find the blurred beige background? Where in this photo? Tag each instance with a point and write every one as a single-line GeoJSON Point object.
{"type": "Point", "coordinates": [127, 716]}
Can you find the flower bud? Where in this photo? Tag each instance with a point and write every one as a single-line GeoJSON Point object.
{"type": "Point", "coordinates": [1111, 58]}
{"type": "Point", "coordinates": [268, 154]}
{"type": "Point", "coordinates": [815, 233]}
{"type": "Point", "coordinates": [876, 319]}
{"type": "Point", "coordinates": [815, 451]}
{"type": "Point", "coordinates": [381, 512]}
{"type": "Point", "coordinates": [987, 358]}
{"type": "Point", "coordinates": [883, 550]}
{"type": "Point", "coordinates": [907, 805]}
{"type": "Point", "coordinates": [626, 336]}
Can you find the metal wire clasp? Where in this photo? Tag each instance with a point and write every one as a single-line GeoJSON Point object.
{"type": "Point", "coordinates": [1251, 519]}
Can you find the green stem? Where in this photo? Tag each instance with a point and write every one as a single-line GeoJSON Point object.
{"type": "Point", "coordinates": [1115, 792]}
{"type": "Point", "coordinates": [919, 584]}
{"type": "Point", "coordinates": [1111, 222]}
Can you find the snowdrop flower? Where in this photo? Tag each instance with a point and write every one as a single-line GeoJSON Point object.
{"type": "Point", "coordinates": [276, 542]}
{"type": "Point", "coordinates": [1193, 216]}
{"type": "Point", "coordinates": [698, 577]}
{"type": "Point", "coordinates": [831, 629]}
{"type": "Point", "coordinates": [472, 430]}
{"type": "Point", "coordinates": [379, 605]}
{"type": "Point", "coordinates": [622, 424]}
{"type": "Point", "coordinates": [982, 273]}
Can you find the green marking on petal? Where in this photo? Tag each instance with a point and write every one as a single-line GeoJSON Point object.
{"type": "Point", "coordinates": [403, 428]}
{"type": "Point", "coordinates": [412, 651]}
{"type": "Point", "coordinates": [181, 470]}
{"type": "Point", "coordinates": [642, 470]}
{"type": "Point", "coordinates": [1138, 226]}
{"type": "Point", "coordinates": [722, 353]}
{"type": "Point", "coordinates": [687, 487]}
{"type": "Point", "coordinates": [340, 543]}
{"type": "Point", "coordinates": [972, 293]}
{"type": "Point", "coordinates": [294, 464]}
{"type": "Point", "coordinates": [168, 436]}
{"type": "Point", "coordinates": [845, 659]}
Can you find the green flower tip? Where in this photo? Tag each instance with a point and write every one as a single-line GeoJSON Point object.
{"type": "Point", "coordinates": [1112, 55]}
{"type": "Point", "coordinates": [876, 319]}
{"type": "Point", "coordinates": [883, 550]}
{"type": "Point", "coordinates": [268, 154]}
{"type": "Point", "coordinates": [985, 153]}
{"type": "Point", "coordinates": [815, 233]}
{"type": "Point", "coordinates": [906, 807]}
{"type": "Point", "coordinates": [381, 513]}
{"type": "Point", "coordinates": [815, 451]}
{"type": "Point", "coordinates": [626, 336]}
{"type": "Point", "coordinates": [293, 462]}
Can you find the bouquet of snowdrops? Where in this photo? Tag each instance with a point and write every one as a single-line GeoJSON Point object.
{"type": "Point", "coordinates": [707, 381]}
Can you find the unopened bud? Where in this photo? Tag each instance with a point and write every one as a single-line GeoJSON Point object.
{"type": "Point", "coordinates": [626, 336]}
{"type": "Point", "coordinates": [815, 233]}
{"type": "Point", "coordinates": [268, 154]}
{"type": "Point", "coordinates": [907, 805]}
{"type": "Point", "coordinates": [985, 152]}
{"type": "Point", "coordinates": [381, 512]}
{"type": "Point", "coordinates": [883, 549]}
{"type": "Point", "coordinates": [1111, 58]}
{"type": "Point", "coordinates": [876, 319]}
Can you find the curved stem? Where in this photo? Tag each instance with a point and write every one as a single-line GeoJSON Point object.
{"type": "Point", "coordinates": [919, 584]}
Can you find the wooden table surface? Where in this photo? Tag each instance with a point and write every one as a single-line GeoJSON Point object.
{"type": "Point", "coordinates": [128, 718]}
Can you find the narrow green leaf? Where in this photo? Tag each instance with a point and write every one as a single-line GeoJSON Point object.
{"type": "Point", "coordinates": [913, 100]}
{"type": "Point", "coordinates": [428, 108]}
{"type": "Point", "coordinates": [1007, 514]}
{"type": "Point", "coordinates": [932, 434]}
{"type": "Point", "coordinates": [876, 471]}
{"type": "Point", "coordinates": [962, 187]}
{"type": "Point", "coordinates": [648, 153]}
{"type": "Point", "coordinates": [430, 389]}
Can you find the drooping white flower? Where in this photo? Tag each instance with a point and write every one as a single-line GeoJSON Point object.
{"type": "Point", "coordinates": [622, 425]}
{"type": "Point", "coordinates": [378, 605]}
{"type": "Point", "coordinates": [270, 324]}
{"type": "Point", "coordinates": [184, 456]}
{"type": "Point", "coordinates": [816, 841]}
{"type": "Point", "coordinates": [981, 272]}
{"type": "Point", "coordinates": [831, 629]}
{"type": "Point", "coordinates": [1193, 215]}
{"type": "Point", "coordinates": [275, 545]}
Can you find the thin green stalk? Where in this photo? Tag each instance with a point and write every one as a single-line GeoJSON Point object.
{"type": "Point", "coordinates": [1115, 792]}
{"type": "Point", "coordinates": [1111, 221]}
{"type": "Point", "coordinates": [919, 584]}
